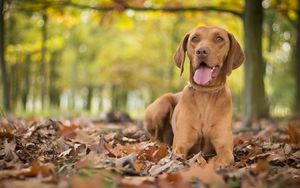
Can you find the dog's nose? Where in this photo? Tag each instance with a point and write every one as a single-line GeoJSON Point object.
{"type": "Point", "coordinates": [202, 52]}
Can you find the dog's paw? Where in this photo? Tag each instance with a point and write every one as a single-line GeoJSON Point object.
{"type": "Point", "coordinates": [179, 152]}
{"type": "Point", "coordinates": [222, 162]}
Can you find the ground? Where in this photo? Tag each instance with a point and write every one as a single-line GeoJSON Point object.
{"type": "Point", "coordinates": [92, 153]}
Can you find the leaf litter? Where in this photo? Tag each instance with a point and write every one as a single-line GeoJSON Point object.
{"type": "Point", "coordinates": [88, 153]}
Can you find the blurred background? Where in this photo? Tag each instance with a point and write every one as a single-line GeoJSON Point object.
{"type": "Point", "coordinates": [71, 57]}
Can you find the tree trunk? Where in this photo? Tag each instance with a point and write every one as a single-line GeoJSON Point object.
{"type": "Point", "coordinates": [54, 91]}
{"type": "Point", "coordinates": [270, 30]}
{"type": "Point", "coordinates": [297, 66]}
{"type": "Point", "coordinates": [123, 95]}
{"type": "Point", "coordinates": [15, 80]}
{"type": "Point", "coordinates": [118, 98]}
{"type": "Point", "coordinates": [114, 98]}
{"type": "Point", "coordinates": [89, 98]}
{"type": "Point", "coordinates": [73, 84]}
{"type": "Point", "coordinates": [255, 100]}
{"type": "Point", "coordinates": [43, 75]}
{"type": "Point", "coordinates": [5, 81]}
{"type": "Point", "coordinates": [26, 81]}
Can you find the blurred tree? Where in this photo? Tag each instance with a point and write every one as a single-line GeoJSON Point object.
{"type": "Point", "coordinates": [5, 81]}
{"type": "Point", "coordinates": [43, 75]}
{"type": "Point", "coordinates": [255, 101]}
{"type": "Point", "coordinates": [26, 80]}
{"type": "Point", "coordinates": [54, 90]}
{"type": "Point", "coordinates": [297, 64]}
{"type": "Point", "coordinates": [105, 51]}
{"type": "Point", "coordinates": [285, 88]}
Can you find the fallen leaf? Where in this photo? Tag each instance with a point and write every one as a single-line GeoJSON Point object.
{"type": "Point", "coordinates": [172, 180]}
{"type": "Point", "coordinates": [127, 149]}
{"type": "Point", "coordinates": [62, 145]}
{"type": "Point", "coordinates": [65, 153]}
{"type": "Point", "coordinates": [198, 159]}
{"type": "Point", "coordinates": [137, 166]}
{"type": "Point", "coordinates": [160, 153]}
{"type": "Point", "coordinates": [93, 160]}
{"type": "Point", "coordinates": [158, 169]}
{"type": "Point", "coordinates": [37, 168]}
{"type": "Point", "coordinates": [124, 161]}
{"type": "Point", "coordinates": [278, 156]}
{"type": "Point", "coordinates": [261, 155]}
{"type": "Point", "coordinates": [9, 173]}
{"type": "Point", "coordinates": [136, 181]}
{"type": "Point", "coordinates": [9, 150]}
{"type": "Point", "coordinates": [201, 161]}
{"type": "Point", "coordinates": [68, 131]}
{"type": "Point", "coordinates": [91, 182]}
{"type": "Point", "coordinates": [261, 166]}
{"type": "Point", "coordinates": [153, 153]}
{"type": "Point", "coordinates": [293, 133]}
{"type": "Point", "coordinates": [111, 151]}
{"type": "Point", "coordinates": [287, 149]}
{"type": "Point", "coordinates": [297, 154]}
{"type": "Point", "coordinates": [255, 184]}
{"type": "Point", "coordinates": [31, 183]}
{"type": "Point", "coordinates": [206, 175]}
{"type": "Point", "coordinates": [6, 133]}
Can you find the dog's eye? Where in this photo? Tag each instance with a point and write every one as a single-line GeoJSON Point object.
{"type": "Point", "coordinates": [195, 39]}
{"type": "Point", "coordinates": [219, 38]}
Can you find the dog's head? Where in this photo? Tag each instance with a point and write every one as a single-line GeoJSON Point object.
{"type": "Point", "coordinates": [213, 54]}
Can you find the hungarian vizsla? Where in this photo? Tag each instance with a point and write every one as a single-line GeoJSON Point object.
{"type": "Point", "coordinates": [199, 118]}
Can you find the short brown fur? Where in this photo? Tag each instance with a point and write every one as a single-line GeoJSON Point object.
{"type": "Point", "coordinates": [199, 118]}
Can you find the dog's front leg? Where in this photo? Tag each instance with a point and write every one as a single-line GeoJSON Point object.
{"type": "Point", "coordinates": [222, 142]}
{"type": "Point", "coordinates": [185, 137]}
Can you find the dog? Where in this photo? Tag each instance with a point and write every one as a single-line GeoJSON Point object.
{"type": "Point", "coordinates": [199, 118]}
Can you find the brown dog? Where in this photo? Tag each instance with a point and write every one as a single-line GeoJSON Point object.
{"type": "Point", "coordinates": [199, 117]}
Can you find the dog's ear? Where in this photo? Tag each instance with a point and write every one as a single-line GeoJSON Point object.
{"type": "Point", "coordinates": [235, 55]}
{"type": "Point", "coordinates": [179, 55]}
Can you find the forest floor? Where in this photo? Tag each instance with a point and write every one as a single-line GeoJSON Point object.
{"type": "Point", "coordinates": [86, 153]}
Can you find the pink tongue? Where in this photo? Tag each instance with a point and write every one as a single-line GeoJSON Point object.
{"type": "Point", "coordinates": [202, 75]}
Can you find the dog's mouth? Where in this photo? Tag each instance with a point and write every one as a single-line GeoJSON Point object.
{"type": "Point", "coordinates": [204, 73]}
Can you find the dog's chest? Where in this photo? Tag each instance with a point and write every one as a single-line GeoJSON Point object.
{"type": "Point", "coordinates": [203, 109]}
{"type": "Point", "coordinates": [204, 115]}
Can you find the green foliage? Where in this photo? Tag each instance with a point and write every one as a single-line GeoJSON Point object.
{"type": "Point", "coordinates": [128, 54]}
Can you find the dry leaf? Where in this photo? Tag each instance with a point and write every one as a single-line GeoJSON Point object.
{"type": "Point", "coordinates": [9, 150]}
{"type": "Point", "coordinates": [10, 173]}
{"type": "Point", "coordinates": [68, 131]}
{"type": "Point", "coordinates": [137, 166]}
{"type": "Point", "coordinates": [158, 169]}
{"type": "Point", "coordinates": [294, 134]}
{"type": "Point", "coordinates": [198, 159]}
{"type": "Point", "coordinates": [172, 180]}
{"type": "Point", "coordinates": [32, 183]}
{"type": "Point", "coordinates": [206, 175]}
{"type": "Point", "coordinates": [111, 151]}
{"type": "Point", "coordinates": [92, 182]}
{"type": "Point", "coordinates": [153, 153]}
{"type": "Point", "coordinates": [65, 153]}
{"type": "Point", "coordinates": [92, 160]}
{"type": "Point", "coordinates": [256, 153]}
{"type": "Point", "coordinates": [36, 168]}
{"type": "Point", "coordinates": [287, 149]}
{"type": "Point", "coordinates": [201, 161]}
{"type": "Point", "coordinates": [5, 133]}
{"type": "Point", "coordinates": [261, 166]}
{"type": "Point", "coordinates": [276, 157]}
{"type": "Point", "coordinates": [135, 181]}
{"type": "Point", "coordinates": [297, 154]}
